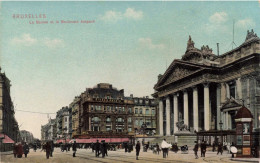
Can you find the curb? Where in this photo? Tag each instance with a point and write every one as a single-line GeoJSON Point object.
{"type": "Point", "coordinates": [255, 161]}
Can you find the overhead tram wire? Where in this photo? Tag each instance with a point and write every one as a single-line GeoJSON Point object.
{"type": "Point", "coordinates": [34, 112]}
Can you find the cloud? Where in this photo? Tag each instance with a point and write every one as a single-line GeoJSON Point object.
{"type": "Point", "coordinates": [147, 43]}
{"type": "Point", "coordinates": [133, 14]}
{"type": "Point", "coordinates": [25, 40]}
{"type": "Point", "coordinates": [245, 23]}
{"type": "Point", "coordinates": [53, 43]}
{"type": "Point", "coordinates": [218, 18]}
{"type": "Point", "coordinates": [114, 16]}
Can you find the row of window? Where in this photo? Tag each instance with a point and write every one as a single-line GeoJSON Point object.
{"type": "Point", "coordinates": [109, 128]}
{"type": "Point", "coordinates": [147, 111]}
{"type": "Point", "coordinates": [110, 108]}
{"type": "Point", "coordinates": [148, 122]}
{"type": "Point", "coordinates": [108, 120]}
{"type": "Point", "coordinates": [141, 101]}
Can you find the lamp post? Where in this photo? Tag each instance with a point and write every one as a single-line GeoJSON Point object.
{"type": "Point", "coordinates": [143, 128]}
{"type": "Point", "coordinates": [220, 125]}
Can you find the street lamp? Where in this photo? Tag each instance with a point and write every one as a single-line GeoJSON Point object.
{"type": "Point", "coordinates": [220, 125]}
{"type": "Point", "coordinates": [143, 128]}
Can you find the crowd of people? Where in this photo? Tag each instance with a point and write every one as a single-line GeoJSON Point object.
{"type": "Point", "coordinates": [101, 148]}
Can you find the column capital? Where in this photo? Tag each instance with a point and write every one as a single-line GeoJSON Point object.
{"type": "Point", "coordinates": [219, 85]}
{"type": "Point", "coordinates": [206, 84]}
{"type": "Point", "coordinates": [185, 90]}
{"type": "Point", "coordinates": [194, 88]}
{"type": "Point", "coordinates": [176, 94]}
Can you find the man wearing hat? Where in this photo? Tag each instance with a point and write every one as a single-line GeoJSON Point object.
{"type": "Point", "coordinates": [195, 149]}
{"type": "Point", "coordinates": [137, 148]}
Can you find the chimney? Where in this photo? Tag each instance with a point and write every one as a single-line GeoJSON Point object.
{"type": "Point", "coordinates": [131, 95]}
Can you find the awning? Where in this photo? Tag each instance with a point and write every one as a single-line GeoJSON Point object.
{"type": "Point", "coordinates": [107, 140]}
{"type": "Point", "coordinates": [62, 141]}
{"type": "Point", "coordinates": [6, 139]}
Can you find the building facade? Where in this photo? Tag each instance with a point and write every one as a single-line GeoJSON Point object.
{"type": "Point", "coordinates": [201, 91]}
{"type": "Point", "coordinates": [103, 111]}
{"type": "Point", "coordinates": [9, 129]}
{"type": "Point", "coordinates": [144, 115]}
{"type": "Point", "coordinates": [27, 137]}
{"type": "Point", "coordinates": [64, 123]}
{"type": "Point", "coordinates": [49, 130]}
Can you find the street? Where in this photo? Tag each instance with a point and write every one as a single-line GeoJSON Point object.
{"type": "Point", "coordinates": [86, 155]}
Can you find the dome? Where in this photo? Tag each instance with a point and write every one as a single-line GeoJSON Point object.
{"type": "Point", "coordinates": [243, 113]}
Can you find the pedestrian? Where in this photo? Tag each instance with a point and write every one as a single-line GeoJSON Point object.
{"type": "Point", "coordinates": [15, 149]}
{"type": "Point", "coordinates": [203, 149]}
{"type": "Point", "coordinates": [74, 148]}
{"type": "Point", "coordinates": [157, 148]}
{"type": "Point", "coordinates": [220, 148]}
{"type": "Point", "coordinates": [137, 148]}
{"type": "Point", "coordinates": [126, 146]}
{"type": "Point", "coordinates": [19, 150]}
{"type": "Point", "coordinates": [232, 145]}
{"type": "Point", "coordinates": [195, 149]}
{"type": "Point", "coordinates": [52, 149]}
{"type": "Point", "coordinates": [97, 148]}
{"type": "Point", "coordinates": [130, 146]}
{"type": "Point", "coordinates": [35, 147]}
{"type": "Point", "coordinates": [214, 146]}
{"type": "Point", "coordinates": [105, 146]}
{"type": "Point", "coordinates": [25, 149]}
{"type": "Point", "coordinates": [47, 149]}
{"type": "Point", "coordinates": [165, 146]}
{"type": "Point", "coordinates": [92, 146]}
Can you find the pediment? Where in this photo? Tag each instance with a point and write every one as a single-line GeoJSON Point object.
{"type": "Point", "coordinates": [175, 72]}
{"type": "Point", "coordinates": [231, 103]}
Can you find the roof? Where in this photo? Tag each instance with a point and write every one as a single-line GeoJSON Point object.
{"type": "Point", "coordinates": [243, 113]}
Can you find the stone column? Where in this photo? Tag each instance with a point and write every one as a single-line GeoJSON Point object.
{"type": "Point", "coordinates": [224, 120]}
{"type": "Point", "coordinates": [185, 107]}
{"type": "Point", "coordinates": [206, 107]}
{"type": "Point", "coordinates": [227, 121]}
{"type": "Point", "coordinates": [223, 93]}
{"type": "Point", "coordinates": [238, 89]}
{"type": "Point", "coordinates": [176, 112]}
{"type": "Point", "coordinates": [160, 117]}
{"type": "Point", "coordinates": [227, 90]}
{"type": "Point", "coordinates": [168, 131]}
{"type": "Point", "coordinates": [218, 106]}
{"type": "Point", "coordinates": [195, 109]}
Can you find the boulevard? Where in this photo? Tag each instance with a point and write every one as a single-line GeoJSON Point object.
{"type": "Point", "coordinates": [86, 155]}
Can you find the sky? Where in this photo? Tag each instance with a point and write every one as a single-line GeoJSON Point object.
{"type": "Point", "coordinates": [126, 44]}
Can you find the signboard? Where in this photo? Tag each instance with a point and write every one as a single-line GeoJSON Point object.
{"type": "Point", "coordinates": [239, 140]}
{"type": "Point", "coordinates": [239, 150]}
{"type": "Point", "coordinates": [246, 151]}
{"type": "Point", "coordinates": [239, 129]}
{"type": "Point", "coordinates": [246, 139]}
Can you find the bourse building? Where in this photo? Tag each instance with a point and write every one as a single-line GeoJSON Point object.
{"type": "Point", "coordinates": [201, 92]}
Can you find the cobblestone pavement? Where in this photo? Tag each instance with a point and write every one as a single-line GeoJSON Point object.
{"type": "Point", "coordinates": [84, 155]}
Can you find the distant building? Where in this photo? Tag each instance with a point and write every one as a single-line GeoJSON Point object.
{"type": "Point", "coordinates": [8, 125]}
{"type": "Point", "coordinates": [49, 131]}
{"type": "Point", "coordinates": [103, 111]}
{"type": "Point", "coordinates": [75, 116]}
{"type": "Point", "coordinates": [26, 136]}
{"type": "Point", "coordinates": [64, 123]}
{"type": "Point", "coordinates": [144, 115]}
